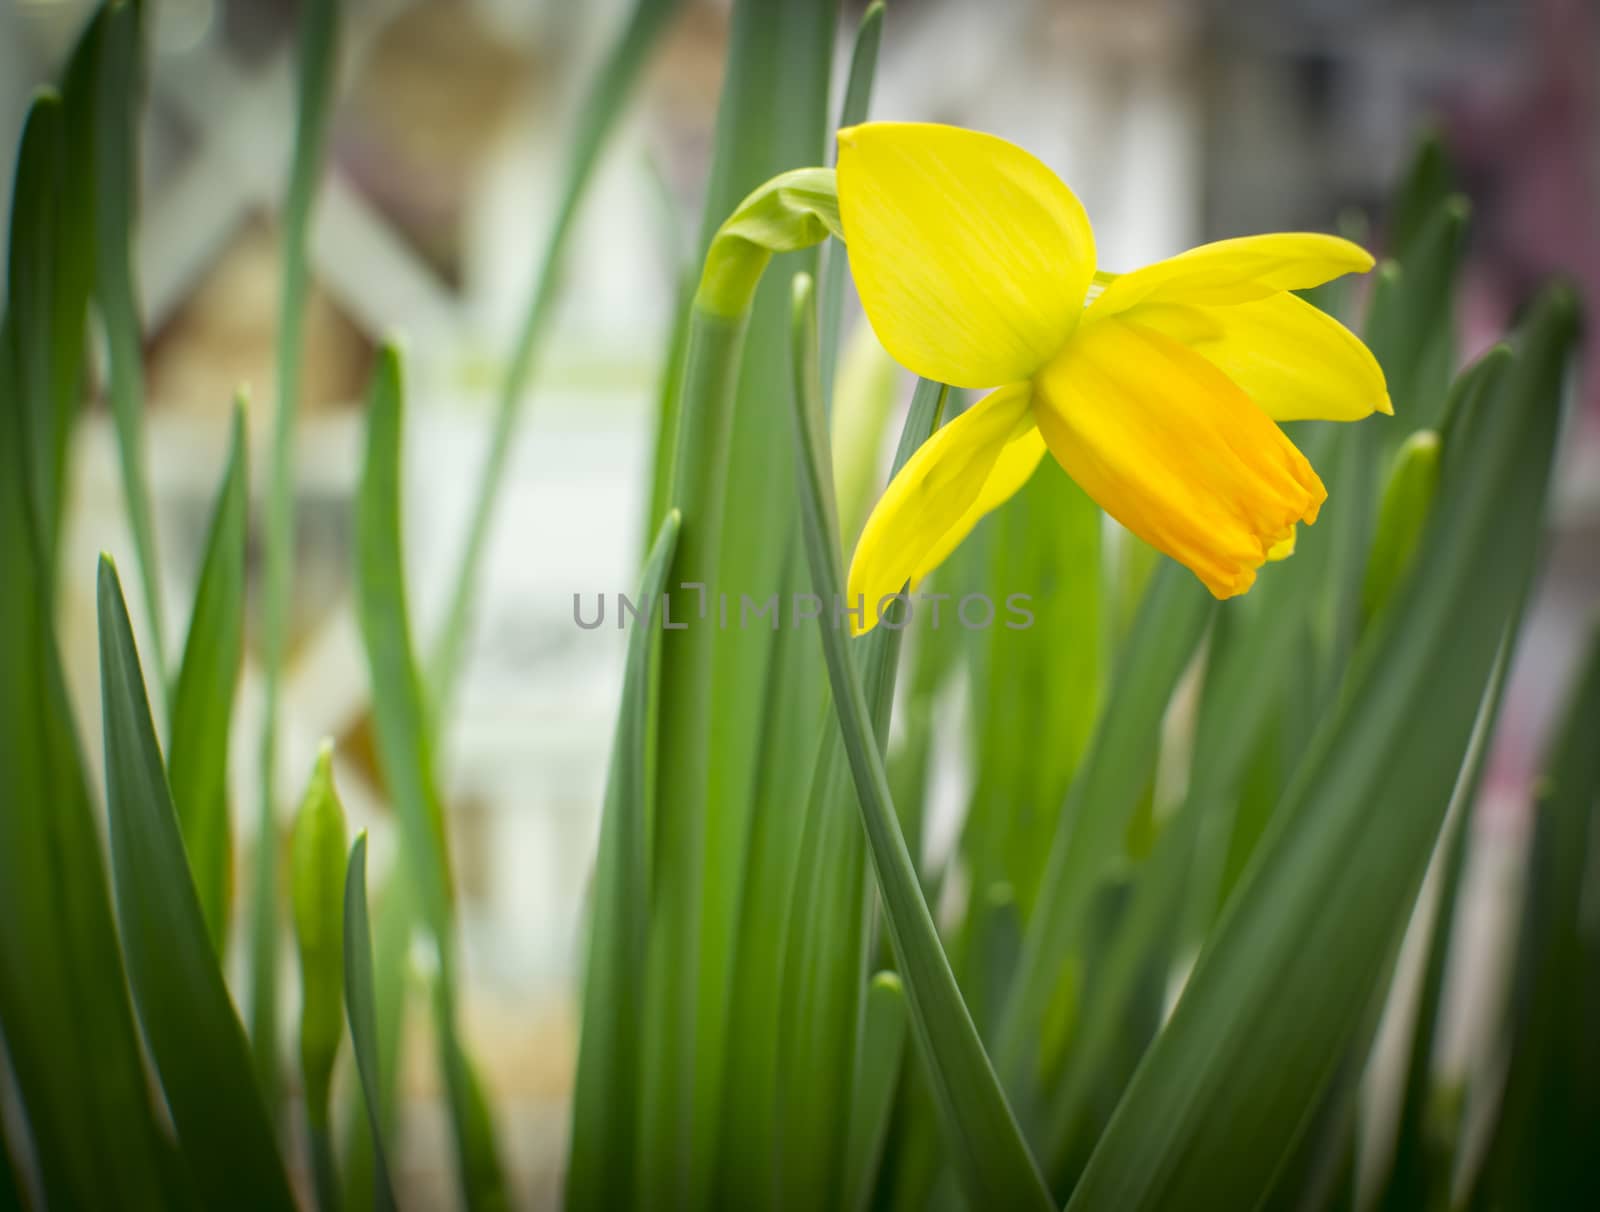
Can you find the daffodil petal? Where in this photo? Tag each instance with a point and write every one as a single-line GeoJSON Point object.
{"type": "Point", "coordinates": [971, 257]}
{"type": "Point", "coordinates": [1236, 271]}
{"type": "Point", "coordinates": [937, 492]}
{"type": "Point", "coordinates": [1018, 460]}
{"type": "Point", "coordinates": [1172, 449]}
{"type": "Point", "coordinates": [1295, 361]}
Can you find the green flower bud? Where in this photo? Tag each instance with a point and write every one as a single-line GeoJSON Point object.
{"type": "Point", "coordinates": [318, 877]}
{"type": "Point", "coordinates": [1407, 498]}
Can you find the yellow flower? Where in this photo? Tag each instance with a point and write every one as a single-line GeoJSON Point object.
{"type": "Point", "coordinates": [1159, 394]}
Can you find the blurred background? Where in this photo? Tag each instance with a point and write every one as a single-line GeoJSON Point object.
{"type": "Point", "coordinates": [1175, 122]}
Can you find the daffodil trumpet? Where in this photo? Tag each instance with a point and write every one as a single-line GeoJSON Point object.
{"type": "Point", "coordinates": [1159, 391]}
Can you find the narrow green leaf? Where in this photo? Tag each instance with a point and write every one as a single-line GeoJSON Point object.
{"type": "Point", "coordinates": [202, 704]}
{"type": "Point", "coordinates": [406, 754]}
{"type": "Point", "coordinates": [683, 743]}
{"type": "Point", "coordinates": [95, 1136]}
{"type": "Point", "coordinates": [772, 117]}
{"type": "Point", "coordinates": [1542, 1151]}
{"type": "Point", "coordinates": [1115, 773]}
{"type": "Point", "coordinates": [824, 948]}
{"type": "Point", "coordinates": [361, 1008]}
{"type": "Point", "coordinates": [877, 1076]}
{"type": "Point", "coordinates": [399, 715]}
{"type": "Point", "coordinates": [989, 1153]}
{"type": "Point", "coordinates": [195, 1039]}
{"type": "Point", "coordinates": [35, 320]}
{"type": "Point", "coordinates": [1264, 1019]}
{"type": "Point", "coordinates": [600, 1168]}
{"type": "Point", "coordinates": [1036, 690]}
{"type": "Point", "coordinates": [1428, 181]}
{"type": "Point", "coordinates": [853, 109]}
{"type": "Point", "coordinates": [392, 929]}
{"type": "Point", "coordinates": [1137, 942]}
{"type": "Point", "coordinates": [317, 46]}
{"type": "Point", "coordinates": [11, 1196]}
{"type": "Point", "coordinates": [597, 117]}
{"type": "Point", "coordinates": [1421, 1173]}
{"type": "Point", "coordinates": [1409, 312]}
{"type": "Point", "coordinates": [477, 1156]}
{"type": "Point", "coordinates": [116, 118]}
{"type": "Point", "coordinates": [701, 833]}
{"type": "Point", "coordinates": [749, 1130]}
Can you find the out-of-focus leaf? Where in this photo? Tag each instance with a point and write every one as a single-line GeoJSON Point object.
{"type": "Point", "coordinates": [41, 341]}
{"type": "Point", "coordinates": [195, 1039]}
{"type": "Point", "coordinates": [406, 755]}
{"type": "Point", "coordinates": [600, 1167]}
{"type": "Point", "coordinates": [391, 947]}
{"type": "Point", "coordinates": [317, 38]}
{"type": "Point", "coordinates": [1222, 1096]}
{"type": "Point", "coordinates": [1407, 497]}
{"type": "Point", "coordinates": [857, 99]}
{"type": "Point", "coordinates": [602, 105]}
{"type": "Point", "coordinates": [95, 1136]}
{"type": "Point", "coordinates": [1037, 689]}
{"type": "Point", "coordinates": [1428, 181]}
{"type": "Point", "coordinates": [361, 1007]}
{"type": "Point", "coordinates": [1542, 1153]}
{"type": "Point", "coordinates": [883, 1038]}
{"type": "Point", "coordinates": [317, 870]}
{"type": "Point", "coordinates": [865, 393]}
{"type": "Point", "coordinates": [399, 715]}
{"type": "Point", "coordinates": [10, 1181]}
{"type": "Point", "coordinates": [202, 704]}
{"type": "Point", "coordinates": [1413, 311]}
{"type": "Point", "coordinates": [1114, 774]}
{"type": "Point", "coordinates": [1421, 1173]}
{"type": "Point", "coordinates": [116, 107]}
{"type": "Point", "coordinates": [989, 1153]}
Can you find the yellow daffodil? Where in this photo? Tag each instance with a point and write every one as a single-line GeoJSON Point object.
{"type": "Point", "coordinates": [1159, 390]}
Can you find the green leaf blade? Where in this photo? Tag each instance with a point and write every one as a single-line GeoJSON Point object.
{"type": "Point", "coordinates": [600, 1167]}
{"type": "Point", "coordinates": [989, 1152]}
{"type": "Point", "coordinates": [195, 1037]}
{"type": "Point", "coordinates": [360, 998]}
{"type": "Point", "coordinates": [202, 703]}
{"type": "Point", "coordinates": [1221, 1097]}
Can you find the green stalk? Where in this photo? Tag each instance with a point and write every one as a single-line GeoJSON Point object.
{"type": "Point", "coordinates": [116, 115]}
{"type": "Point", "coordinates": [793, 211]}
{"type": "Point", "coordinates": [666, 1135]}
{"type": "Point", "coordinates": [598, 114]}
{"type": "Point", "coordinates": [773, 115]}
{"type": "Point", "coordinates": [318, 35]}
{"type": "Point", "coordinates": [989, 1152]}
